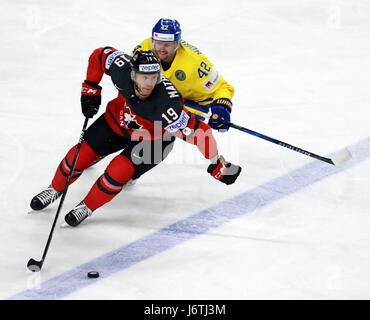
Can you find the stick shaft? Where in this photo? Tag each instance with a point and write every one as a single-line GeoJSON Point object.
{"type": "Point", "coordinates": [280, 143]}
{"type": "Point", "coordinates": [65, 190]}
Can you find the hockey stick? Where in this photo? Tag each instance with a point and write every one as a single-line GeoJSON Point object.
{"type": "Point", "coordinates": [337, 161]}
{"type": "Point", "coordinates": [33, 264]}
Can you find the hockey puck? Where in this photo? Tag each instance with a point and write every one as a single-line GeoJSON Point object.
{"type": "Point", "coordinates": [93, 274]}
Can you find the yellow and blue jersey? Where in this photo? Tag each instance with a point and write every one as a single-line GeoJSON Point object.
{"type": "Point", "coordinates": [195, 77]}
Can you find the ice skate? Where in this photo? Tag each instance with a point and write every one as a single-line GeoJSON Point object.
{"type": "Point", "coordinates": [44, 198]}
{"type": "Point", "coordinates": [77, 215]}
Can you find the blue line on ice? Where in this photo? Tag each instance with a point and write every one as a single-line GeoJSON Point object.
{"type": "Point", "coordinates": [197, 224]}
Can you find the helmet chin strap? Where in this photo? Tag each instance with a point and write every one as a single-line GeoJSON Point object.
{"type": "Point", "coordinates": [138, 90]}
{"type": "Point", "coordinates": [136, 87]}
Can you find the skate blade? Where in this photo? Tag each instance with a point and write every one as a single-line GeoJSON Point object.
{"type": "Point", "coordinates": [65, 225]}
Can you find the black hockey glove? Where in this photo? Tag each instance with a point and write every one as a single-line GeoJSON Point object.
{"type": "Point", "coordinates": [90, 98]}
{"type": "Point", "coordinates": [223, 171]}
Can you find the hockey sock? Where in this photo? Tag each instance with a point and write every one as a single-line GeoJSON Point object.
{"type": "Point", "coordinates": [109, 184]}
{"type": "Point", "coordinates": [85, 159]}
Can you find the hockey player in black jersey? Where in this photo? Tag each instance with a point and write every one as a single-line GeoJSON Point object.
{"type": "Point", "coordinates": [142, 122]}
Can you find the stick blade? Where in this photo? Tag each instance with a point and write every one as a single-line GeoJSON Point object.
{"type": "Point", "coordinates": [34, 266]}
{"type": "Point", "coordinates": [342, 158]}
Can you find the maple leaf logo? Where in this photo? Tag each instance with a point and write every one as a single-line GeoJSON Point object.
{"type": "Point", "coordinates": [130, 120]}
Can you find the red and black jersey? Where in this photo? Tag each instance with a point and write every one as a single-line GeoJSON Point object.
{"type": "Point", "coordinates": [159, 115]}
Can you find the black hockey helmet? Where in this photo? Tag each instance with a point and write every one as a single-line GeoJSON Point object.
{"type": "Point", "coordinates": [146, 62]}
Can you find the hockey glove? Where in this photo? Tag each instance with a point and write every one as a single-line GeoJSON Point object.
{"type": "Point", "coordinates": [221, 109]}
{"type": "Point", "coordinates": [223, 171]}
{"type": "Point", "coordinates": [90, 98]}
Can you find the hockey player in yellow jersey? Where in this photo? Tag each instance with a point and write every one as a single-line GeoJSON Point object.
{"type": "Point", "coordinates": [198, 81]}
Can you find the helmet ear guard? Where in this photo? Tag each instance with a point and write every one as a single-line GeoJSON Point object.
{"type": "Point", "coordinates": [159, 78]}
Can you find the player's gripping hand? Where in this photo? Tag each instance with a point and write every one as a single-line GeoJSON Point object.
{"type": "Point", "coordinates": [223, 171]}
{"type": "Point", "coordinates": [90, 98]}
{"type": "Point", "coordinates": [221, 109]}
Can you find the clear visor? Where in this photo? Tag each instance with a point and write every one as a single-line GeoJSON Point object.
{"type": "Point", "coordinates": [170, 46]}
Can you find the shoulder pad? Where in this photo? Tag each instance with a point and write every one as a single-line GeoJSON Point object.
{"type": "Point", "coordinates": [118, 57]}
{"type": "Point", "coordinates": [180, 122]}
{"type": "Point", "coordinates": [190, 47]}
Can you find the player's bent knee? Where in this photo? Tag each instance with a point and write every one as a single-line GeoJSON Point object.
{"type": "Point", "coordinates": [120, 169]}
{"type": "Point", "coordinates": [85, 158]}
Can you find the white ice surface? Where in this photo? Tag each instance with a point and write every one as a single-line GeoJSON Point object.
{"type": "Point", "coordinates": [301, 71]}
